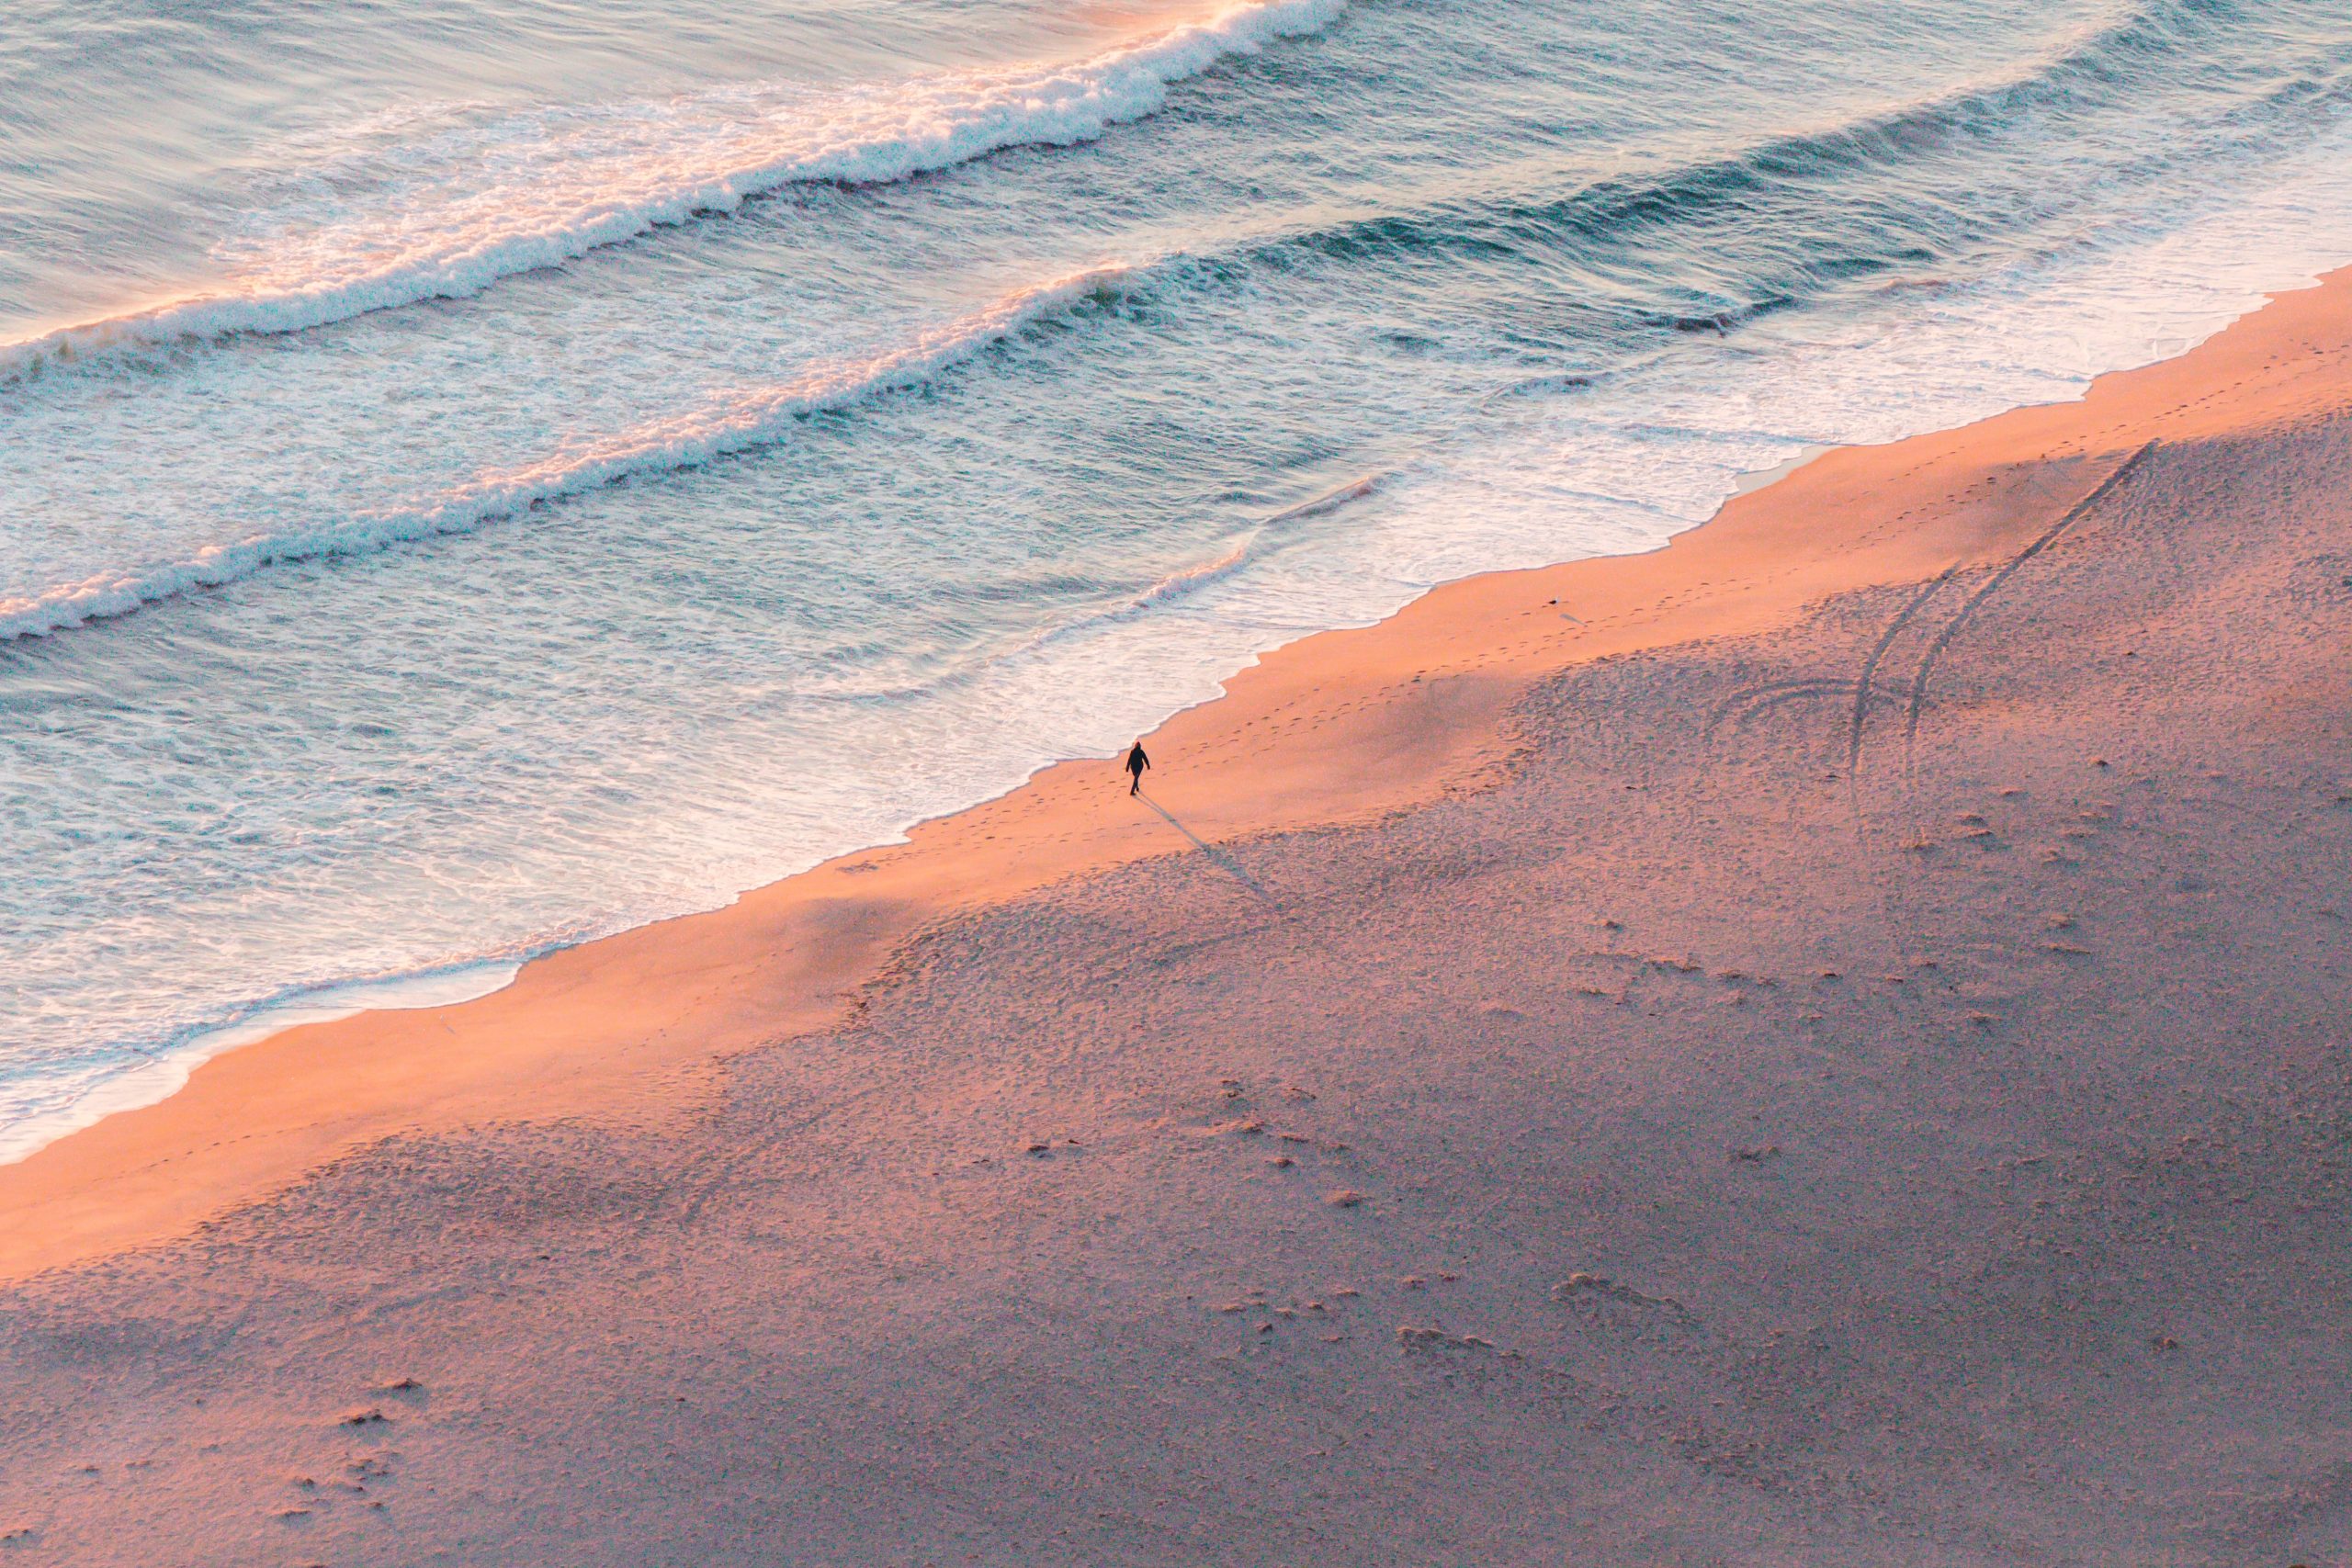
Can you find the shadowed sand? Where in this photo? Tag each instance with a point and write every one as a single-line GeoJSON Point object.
{"type": "Point", "coordinates": [1822, 1045]}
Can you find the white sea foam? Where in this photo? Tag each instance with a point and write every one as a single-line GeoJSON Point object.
{"type": "Point", "coordinates": [451, 215]}
{"type": "Point", "coordinates": [736, 422]}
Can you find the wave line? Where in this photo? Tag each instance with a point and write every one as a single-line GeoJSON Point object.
{"type": "Point", "coordinates": [735, 422]}
{"type": "Point", "coordinates": [566, 182]}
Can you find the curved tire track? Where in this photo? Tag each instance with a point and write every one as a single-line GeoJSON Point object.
{"type": "Point", "coordinates": [1865, 686]}
{"type": "Point", "coordinates": [1967, 612]}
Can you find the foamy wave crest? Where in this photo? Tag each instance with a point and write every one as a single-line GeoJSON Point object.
{"type": "Point", "coordinates": [447, 217]}
{"type": "Point", "coordinates": [738, 422]}
{"type": "Point", "coordinates": [1186, 581]}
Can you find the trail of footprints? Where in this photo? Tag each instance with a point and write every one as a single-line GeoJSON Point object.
{"type": "Point", "coordinates": [1335, 1313]}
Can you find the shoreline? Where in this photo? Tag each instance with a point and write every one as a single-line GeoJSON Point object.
{"type": "Point", "coordinates": [444, 985]}
{"type": "Point", "coordinates": [1339, 728]}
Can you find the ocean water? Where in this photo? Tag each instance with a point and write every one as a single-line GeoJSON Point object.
{"type": "Point", "coordinates": [475, 474]}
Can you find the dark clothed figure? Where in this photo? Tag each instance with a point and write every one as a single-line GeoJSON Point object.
{"type": "Point", "coordinates": [1136, 763]}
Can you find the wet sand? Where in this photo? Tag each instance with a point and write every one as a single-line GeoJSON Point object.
{"type": "Point", "coordinates": [1821, 1043]}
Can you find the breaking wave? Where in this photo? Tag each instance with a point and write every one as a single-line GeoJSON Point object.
{"type": "Point", "coordinates": [421, 221]}
{"type": "Point", "coordinates": [736, 422]}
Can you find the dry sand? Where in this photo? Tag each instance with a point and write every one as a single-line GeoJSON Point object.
{"type": "Point", "coordinates": [1826, 1044]}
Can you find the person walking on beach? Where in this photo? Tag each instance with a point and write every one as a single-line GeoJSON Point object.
{"type": "Point", "coordinates": [1136, 763]}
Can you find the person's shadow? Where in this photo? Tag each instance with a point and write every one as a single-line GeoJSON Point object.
{"type": "Point", "coordinates": [1224, 862]}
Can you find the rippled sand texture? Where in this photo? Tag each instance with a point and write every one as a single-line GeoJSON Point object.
{"type": "Point", "coordinates": [1856, 1074]}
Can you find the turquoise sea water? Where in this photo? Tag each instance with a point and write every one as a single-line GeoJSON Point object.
{"type": "Point", "coordinates": [478, 473]}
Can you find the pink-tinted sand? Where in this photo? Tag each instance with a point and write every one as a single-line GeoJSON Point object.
{"type": "Point", "coordinates": [1825, 1044]}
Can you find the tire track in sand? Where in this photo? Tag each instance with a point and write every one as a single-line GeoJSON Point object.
{"type": "Point", "coordinates": [1991, 585]}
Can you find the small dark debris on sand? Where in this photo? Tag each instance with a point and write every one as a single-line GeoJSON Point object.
{"type": "Point", "coordinates": [1412, 1338]}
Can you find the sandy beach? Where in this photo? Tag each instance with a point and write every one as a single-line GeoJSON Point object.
{"type": "Point", "coordinates": [1825, 1044]}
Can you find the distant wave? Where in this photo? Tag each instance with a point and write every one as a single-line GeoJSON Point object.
{"type": "Point", "coordinates": [738, 422]}
{"type": "Point", "coordinates": [1907, 227]}
{"type": "Point", "coordinates": [447, 217]}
